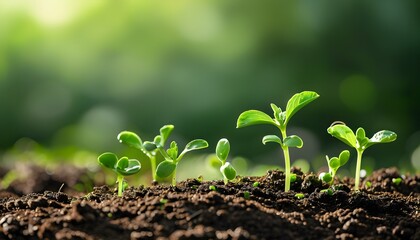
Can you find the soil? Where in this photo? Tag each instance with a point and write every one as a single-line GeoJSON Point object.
{"type": "Point", "coordinates": [238, 210]}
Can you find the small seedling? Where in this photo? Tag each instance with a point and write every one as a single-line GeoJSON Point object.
{"type": "Point", "coordinates": [122, 167]}
{"type": "Point", "coordinates": [368, 184]}
{"type": "Point", "coordinates": [247, 195]}
{"type": "Point", "coordinates": [172, 158]}
{"type": "Point", "coordinates": [334, 164]}
{"type": "Point", "coordinates": [328, 191]}
{"type": "Point", "coordinates": [133, 140]}
{"type": "Point", "coordinates": [280, 120]}
{"type": "Point", "coordinates": [212, 188]}
{"type": "Point", "coordinates": [293, 178]}
{"type": "Point", "coordinates": [359, 141]}
{"type": "Point", "coordinates": [396, 181]}
{"type": "Point", "coordinates": [256, 184]}
{"type": "Point", "coordinates": [299, 195]}
{"type": "Point", "coordinates": [222, 152]}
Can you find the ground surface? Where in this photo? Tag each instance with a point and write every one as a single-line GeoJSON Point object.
{"type": "Point", "coordinates": [237, 211]}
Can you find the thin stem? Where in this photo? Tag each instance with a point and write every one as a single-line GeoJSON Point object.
{"type": "Point", "coordinates": [358, 168]}
{"type": "Point", "coordinates": [153, 166]}
{"type": "Point", "coordinates": [174, 178]}
{"type": "Point", "coordinates": [286, 162]}
{"type": "Point", "coordinates": [120, 180]}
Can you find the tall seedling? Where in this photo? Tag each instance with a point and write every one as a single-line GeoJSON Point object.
{"type": "Point", "coordinates": [280, 120]}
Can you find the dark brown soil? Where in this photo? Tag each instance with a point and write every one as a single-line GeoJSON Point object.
{"type": "Point", "coordinates": [237, 211]}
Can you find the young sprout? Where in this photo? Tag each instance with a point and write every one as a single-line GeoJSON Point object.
{"type": "Point", "coordinates": [122, 167]}
{"type": "Point", "coordinates": [396, 181]}
{"type": "Point", "coordinates": [172, 158]}
{"type": "Point", "coordinates": [133, 140]}
{"type": "Point", "coordinates": [280, 120]}
{"type": "Point", "coordinates": [334, 164]}
{"type": "Point", "coordinates": [359, 141]}
{"type": "Point", "coordinates": [299, 195]}
{"type": "Point", "coordinates": [222, 152]}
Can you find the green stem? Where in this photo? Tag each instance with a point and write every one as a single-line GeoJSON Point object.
{"type": "Point", "coordinates": [174, 178]}
{"type": "Point", "coordinates": [120, 180]}
{"type": "Point", "coordinates": [153, 166]}
{"type": "Point", "coordinates": [286, 162]}
{"type": "Point", "coordinates": [358, 168]}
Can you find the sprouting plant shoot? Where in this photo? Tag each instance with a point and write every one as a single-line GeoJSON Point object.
{"type": "Point", "coordinates": [222, 152]}
{"type": "Point", "coordinates": [122, 167]}
{"type": "Point", "coordinates": [172, 158]}
{"type": "Point", "coordinates": [133, 140]}
{"type": "Point", "coordinates": [280, 120]}
{"type": "Point", "coordinates": [334, 164]}
{"type": "Point", "coordinates": [359, 141]}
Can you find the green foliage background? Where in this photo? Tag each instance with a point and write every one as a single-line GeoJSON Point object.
{"type": "Point", "coordinates": [73, 74]}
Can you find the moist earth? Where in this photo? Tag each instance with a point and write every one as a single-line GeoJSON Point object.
{"type": "Point", "coordinates": [249, 208]}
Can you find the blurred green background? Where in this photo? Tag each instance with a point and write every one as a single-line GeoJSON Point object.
{"type": "Point", "coordinates": [73, 74]}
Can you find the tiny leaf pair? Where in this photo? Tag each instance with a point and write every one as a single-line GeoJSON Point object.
{"type": "Point", "coordinates": [359, 141]}
{"type": "Point", "coordinates": [222, 152]}
{"type": "Point", "coordinates": [334, 164]}
{"type": "Point", "coordinates": [280, 120]}
{"type": "Point", "coordinates": [131, 139]}
{"type": "Point", "coordinates": [122, 167]}
{"type": "Point", "coordinates": [172, 158]}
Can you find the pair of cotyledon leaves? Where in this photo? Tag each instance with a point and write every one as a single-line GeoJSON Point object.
{"type": "Point", "coordinates": [280, 120]}
{"type": "Point", "coordinates": [359, 140]}
{"type": "Point", "coordinates": [222, 152]}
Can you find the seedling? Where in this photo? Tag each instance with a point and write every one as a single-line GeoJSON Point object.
{"type": "Point", "coordinates": [299, 195]}
{"type": "Point", "coordinates": [334, 164]}
{"type": "Point", "coordinates": [133, 140]}
{"type": "Point", "coordinates": [247, 195]}
{"type": "Point", "coordinates": [212, 188]}
{"type": "Point", "coordinates": [280, 120]}
{"type": "Point", "coordinates": [396, 181]}
{"type": "Point", "coordinates": [222, 152]}
{"type": "Point", "coordinates": [359, 141]}
{"type": "Point", "coordinates": [122, 167]}
{"type": "Point", "coordinates": [172, 158]}
{"type": "Point", "coordinates": [256, 184]}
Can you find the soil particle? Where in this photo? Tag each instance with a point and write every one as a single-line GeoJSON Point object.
{"type": "Point", "coordinates": [239, 210]}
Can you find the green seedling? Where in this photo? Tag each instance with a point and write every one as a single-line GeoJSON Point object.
{"type": "Point", "coordinates": [368, 184]}
{"type": "Point", "coordinates": [334, 164]}
{"type": "Point", "coordinates": [122, 167]}
{"type": "Point", "coordinates": [256, 184]}
{"type": "Point", "coordinates": [172, 158]}
{"type": "Point", "coordinates": [280, 120]}
{"type": "Point", "coordinates": [359, 141]}
{"type": "Point", "coordinates": [299, 195]}
{"type": "Point", "coordinates": [133, 140]}
{"type": "Point", "coordinates": [247, 195]}
{"type": "Point", "coordinates": [222, 152]}
{"type": "Point", "coordinates": [396, 181]}
{"type": "Point", "coordinates": [212, 188]}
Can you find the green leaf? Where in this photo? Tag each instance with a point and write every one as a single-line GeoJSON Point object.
{"type": "Point", "coordinates": [344, 157]}
{"type": "Point", "coordinates": [384, 136]}
{"type": "Point", "coordinates": [195, 145]}
{"type": "Point", "coordinates": [158, 140]}
{"type": "Point", "coordinates": [149, 146]}
{"type": "Point", "coordinates": [253, 117]}
{"type": "Point", "coordinates": [298, 101]}
{"type": "Point", "coordinates": [165, 169]}
{"type": "Point", "coordinates": [228, 171]}
{"type": "Point", "coordinates": [271, 138]}
{"type": "Point", "coordinates": [343, 133]}
{"type": "Point", "coordinates": [222, 149]}
{"type": "Point", "coordinates": [130, 139]}
{"type": "Point", "coordinates": [165, 131]}
{"type": "Point", "coordinates": [361, 138]}
{"type": "Point", "coordinates": [293, 141]}
{"type": "Point", "coordinates": [173, 150]}
{"type": "Point", "coordinates": [277, 113]}
{"type": "Point", "coordinates": [326, 177]}
{"type": "Point", "coordinates": [127, 166]}
{"type": "Point", "coordinates": [108, 160]}
{"type": "Point", "coordinates": [334, 163]}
